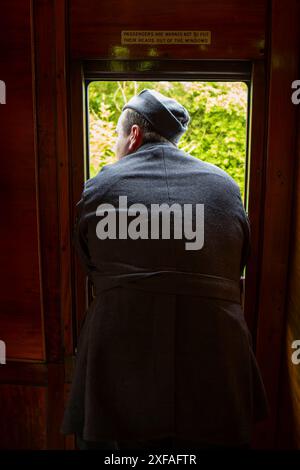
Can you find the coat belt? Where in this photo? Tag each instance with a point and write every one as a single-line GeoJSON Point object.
{"type": "Point", "coordinates": [171, 282]}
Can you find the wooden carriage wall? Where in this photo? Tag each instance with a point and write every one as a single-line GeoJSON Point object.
{"type": "Point", "coordinates": [44, 44]}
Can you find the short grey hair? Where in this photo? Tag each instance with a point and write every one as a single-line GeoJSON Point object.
{"type": "Point", "coordinates": [132, 117]}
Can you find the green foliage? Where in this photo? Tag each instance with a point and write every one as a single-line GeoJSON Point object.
{"type": "Point", "coordinates": [216, 134]}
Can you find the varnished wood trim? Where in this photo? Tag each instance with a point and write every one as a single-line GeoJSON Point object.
{"type": "Point", "coordinates": [43, 23]}
{"type": "Point", "coordinates": [281, 152]}
{"type": "Point", "coordinates": [210, 70]}
{"type": "Point", "coordinates": [78, 176]}
{"type": "Point", "coordinates": [63, 155]}
{"type": "Point", "coordinates": [55, 406]}
{"type": "Point", "coordinates": [255, 190]}
{"type": "Point", "coordinates": [24, 373]}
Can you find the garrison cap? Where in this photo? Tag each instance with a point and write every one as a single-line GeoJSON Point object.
{"type": "Point", "coordinates": [168, 117]}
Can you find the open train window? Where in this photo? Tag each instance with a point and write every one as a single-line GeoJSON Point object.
{"type": "Point", "coordinates": [217, 131]}
{"type": "Point", "coordinates": [222, 97]}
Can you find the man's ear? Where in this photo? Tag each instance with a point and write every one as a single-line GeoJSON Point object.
{"type": "Point", "coordinates": [135, 138]}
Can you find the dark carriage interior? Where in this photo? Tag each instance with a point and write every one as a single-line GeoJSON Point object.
{"type": "Point", "coordinates": [51, 51]}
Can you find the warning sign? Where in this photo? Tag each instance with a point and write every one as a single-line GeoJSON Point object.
{"type": "Point", "coordinates": [166, 37]}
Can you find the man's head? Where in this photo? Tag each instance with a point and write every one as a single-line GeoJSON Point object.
{"type": "Point", "coordinates": [150, 117]}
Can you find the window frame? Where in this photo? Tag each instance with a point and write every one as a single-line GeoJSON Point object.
{"type": "Point", "coordinates": [250, 72]}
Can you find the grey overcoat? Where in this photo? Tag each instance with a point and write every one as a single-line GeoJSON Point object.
{"type": "Point", "coordinates": [164, 349]}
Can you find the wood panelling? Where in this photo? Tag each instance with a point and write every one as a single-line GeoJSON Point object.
{"type": "Point", "coordinates": [23, 418]}
{"type": "Point", "coordinates": [49, 31]}
{"type": "Point", "coordinates": [281, 151]}
{"type": "Point", "coordinates": [50, 34]}
{"type": "Point", "coordinates": [289, 424]}
{"type": "Point", "coordinates": [35, 239]}
{"type": "Point", "coordinates": [47, 171]}
{"type": "Point", "coordinates": [24, 373]}
{"type": "Point", "coordinates": [237, 28]}
{"type": "Point", "coordinates": [21, 324]}
{"type": "Point", "coordinates": [55, 406]}
{"type": "Point", "coordinates": [70, 438]}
